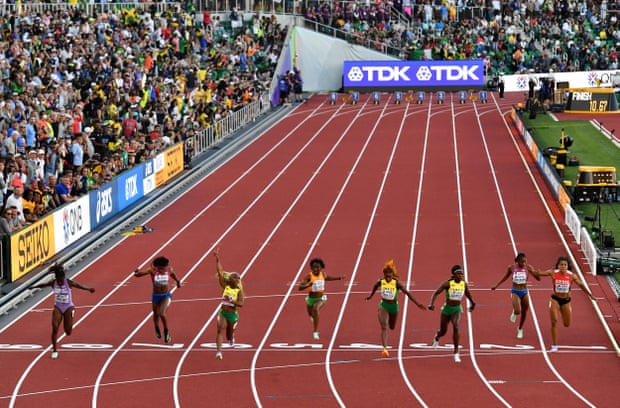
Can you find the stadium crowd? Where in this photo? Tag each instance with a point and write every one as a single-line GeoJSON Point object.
{"type": "Point", "coordinates": [512, 36]}
{"type": "Point", "coordinates": [86, 96]}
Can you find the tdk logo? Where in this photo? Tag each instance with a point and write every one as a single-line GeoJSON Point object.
{"type": "Point", "coordinates": [582, 96]}
{"type": "Point", "coordinates": [447, 72]}
{"type": "Point", "coordinates": [381, 74]}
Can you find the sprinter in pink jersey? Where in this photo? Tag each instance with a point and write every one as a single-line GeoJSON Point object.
{"type": "Point", "coordinates": [64, 309]}
{"type": "Point", "coordinates": [519, 292]}
{"type": "Point", "coordinates": [562, 279]}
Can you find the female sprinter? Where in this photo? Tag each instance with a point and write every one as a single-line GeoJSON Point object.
{"type": "Point", "coordinates": [388, 307]}
{"type": "Point", "coordinates": [64, 309]}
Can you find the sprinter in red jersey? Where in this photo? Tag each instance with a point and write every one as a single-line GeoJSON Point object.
{"type": "Point", "coordinates": [562, 279]}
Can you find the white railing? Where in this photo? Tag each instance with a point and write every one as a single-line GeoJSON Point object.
{"type": "Point", "coordinates": [206, 138]}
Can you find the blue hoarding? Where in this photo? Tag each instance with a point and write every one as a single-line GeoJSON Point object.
{"type": "Point", "coordinates": [130, 187]}
{"type": "Point", "coordinates": [103, 204]}
{"type": "Point", "coordinates": [413, 74]}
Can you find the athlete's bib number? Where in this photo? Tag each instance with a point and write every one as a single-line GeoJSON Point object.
{"type": "Point", "coordinates": [62, 298]}
{"type": "Point", "coordinates": [456, 294]}
{"type": "Point", "coordinates": [318, 286]}
{"type": "Point", "coordinates": [161, 280]}
{"type": "Point", "coordinates": [387, 294]}
{"type": "Point", "coordinates": [562, 286]}
{"type": "Point", "coordinates": [519, 278]}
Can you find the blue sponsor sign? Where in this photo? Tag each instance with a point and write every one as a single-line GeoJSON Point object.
{"type": "Point", "coordinates": [103, 204]}
{"type": "Point", "coordinates": [413, 74]}
{"type": "Point", "coordinates": [130, 187]}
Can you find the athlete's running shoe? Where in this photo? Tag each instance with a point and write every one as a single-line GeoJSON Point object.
{"type": "Point", "coordinates": [457, 358]}
{"type": "Point", "coordinates": [231, 342]}
{"type": "Point", "coordinates": [167, 336]}
{"type": "Point", "coordinates": [513, 317]}
{"type": "Point", "coordinates": [519, 333]}
{"type": "Point", "coordinates": [315, 335]}
{"type": "Point", "coordinates": [218, 355]}
{"type": "Point", "coordinates": [157, 332]}
{"type": "Point", "coordinates": [385, 353]}
{"type": "Point", "coordinates": [435, 343]}
{"type": "Point", "coordinates": [554, 349]}
{"type": "Point", "coordinates": [54, 355]}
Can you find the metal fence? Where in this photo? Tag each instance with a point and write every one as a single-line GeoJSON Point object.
{"type": "Point", "coordinates": [203, 140]}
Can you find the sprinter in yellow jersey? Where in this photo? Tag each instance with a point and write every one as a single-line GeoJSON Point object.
{"type": "Point", "coordinates": [232, 298]}
{"type": "Point", "coordinates": [388, 307]}
{"type": "Point", "coordinates": [314, 283]}
{"type": "Point", "coordinates": [451, 311]}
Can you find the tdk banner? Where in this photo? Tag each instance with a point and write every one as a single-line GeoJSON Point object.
{"type": "Point", "coordinates": [413, 74]}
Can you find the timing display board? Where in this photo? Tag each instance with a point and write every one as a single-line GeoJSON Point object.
{"type": "Point", "coordinates": [591, 100]}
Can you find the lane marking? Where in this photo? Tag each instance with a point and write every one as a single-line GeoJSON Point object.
{"type": "Point", "coordinates": [356, 346]}
{"type": "Point", "coordinates": [163, 346]}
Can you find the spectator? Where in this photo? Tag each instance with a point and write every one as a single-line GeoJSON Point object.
{"type": "Point", "coordinates": [77, 151]}
{"type": "Point", "coordinates": [28, 205]}
{"type": "Point", "coordinates": [64, 189]}
{"type": "Point", "coordinates": [12, 218]}
{"type": "Point", "coordinates": [297, 84]}
{"type": "Point", "coordinates": [3, 188]}
{"type": "Point", "coordinates": [16, 199]}
{"type": "Point", "coordinates": [284, 87]}
{"type": "Point", "coordinates": [51, 197]}
{"type": "Point", "coordinates": [5, 222]}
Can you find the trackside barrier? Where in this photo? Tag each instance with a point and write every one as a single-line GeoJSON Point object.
{"type": "Point", "coordinates": [205, 139]}
{"type": "Point", "coordinates": [574, 224]}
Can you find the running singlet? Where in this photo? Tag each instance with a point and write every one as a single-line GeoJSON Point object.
{"type": "Point", "coordinates": [62, 294]}
{"type": "Point", "coordinates": [456, 291]}
{"type": "Point", "coordinates": [317, 283]}
{"type": "Point", "coordinates": [230, 296]}
{"type": "Point", "coordinates": [160, 277]}
{"type": "Point", "coordinates": [519, 275]}
{"type": "Point", "coordinates": [389, 291]}
{"type": "Point", "coordinates": [561, 282]}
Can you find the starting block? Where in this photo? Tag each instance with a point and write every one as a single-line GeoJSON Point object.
{"type": "Point", "coordinates": [421, 97]}
{"type": "Point", "coordinates": [462, 97]}
{"type": "Point", "coordinates": [398, 97]}
{"type": "Point", "coordinates": [441, 97]}
{"type": "Point", "coordinates": [483, 96]}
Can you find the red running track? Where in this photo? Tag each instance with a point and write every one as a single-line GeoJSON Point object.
{"type": "Point", "coordinates": [429, 185]}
